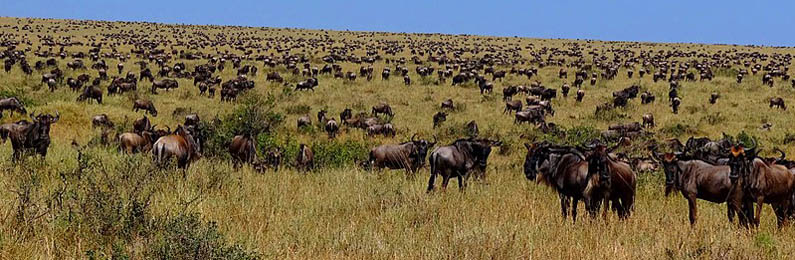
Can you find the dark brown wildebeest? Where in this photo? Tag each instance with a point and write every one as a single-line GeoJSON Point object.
{"type": "Point", "coordinates": [321, 117]}
{"type": "Point", "coordinates": [563, 74]}
{"type": "Point", "coordinates": [696, 179]}
{"type": "Point", "coordinates": [407, 80]}
{"type": "Point", "coordinates": [192, 119]}
{"type": "Point", "coordinates": [145, 105]}
{"type": "Point", "coordinates": [382, 108]}
{"type": "Point", "coordinates": [243, 150]}
{"type": "Point", "coordinates": [485, 86]}
{"type": "Point", "coordinates": [408, 155]}
{"type": "Point", "coordinates": [439, 118]}
{"type": "Point", "coordinates": [512, 106]}
{"type": "Point", "coordinates": [647, 97]}
{"type": "Point", "coordinates": [180, 145]}
{"type": "Point", "coordinates": [580, 95]}
{"type": "Point", "coordinates": [648, 120]}
{"type": "Point", "coordinates": [472, 128]}
{"type": "Point", "coordinates": [765, 182]}
{"type": "Point", "coordinates": [613, 182]}
{"type": "Point", "coordinates": [309, 84]}
{"type": "Point", "coordinates": [509, 92]}
{"type": "Point", "coordinates": [91, 92]}
{"type": "Point", "coordinates": [565, 90]}
{"type": "Point", "coordinates": [533, 116]}
{"type": "Point", "coordinates": [498, 75]}
{"type": "Point", "coordinates": [304, 121]}
{"type": "Point", "coordinates": [273, 158]}
{"type": "Point", "coordinates": [74, 84]}
{"type": "Point", "coordinates": [675, 102]}
{"type": "Point", "coordinates": [448, 104]}
{"type": "Point", "coordinates": [385, 130]}
{"type": "Point", "coordinates": [101, 120]}
{"type": "Point", "coordinates": [778, 102]}
{"type": "Point", "coordinates": [274, 76]}
{"type": "Point", "coordinates": [306, 158]}
{"type": "Point", "coordinates": [459, 159]}
{"type": "Point", "coordinates": [134, 143]}
{"type": "Point", "coordinates": [142, 124]}
{"type": "Point", "coordinates": [332, 128]}
{"type": "Point", "coordinates": [346, 114]}
{"type": "Point", "coordinates": [33, 136]}
{"type": "Point", "coordinates": [166, 84]}
{"type": "Point", "coordinates": [713, 98]}
{"type": "Point", "coordinates": [11, 104]}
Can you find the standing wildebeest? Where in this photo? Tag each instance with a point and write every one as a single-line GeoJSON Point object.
{"type": "Point", "coordinates": [306, 158]}
{"type": "Point", "coordinates": [309, 84]}
{"type": "Point", "coordinates": [142, 124]}
{"type": "Point", "coordinates": [486, 86]}
{"type": "Point", "coordinates": [459, 159]}
{"type": "Point", "coordinates": [438, 118]}
{"type": "Point", "coordinates": [273, 158]}
{"type": "Point", "coordinates": [346, 114]}
{"type": "Point", "coordinates": [304, 121]}
{"type": "Point", "coordinates": [509, 92]}
{"type": "Point", "coordinates": [580, 95]}
{"type": "Point", "coordinates": [30, 135]}
{"type": "Point", "coordinates": [91, 92]}
{"type": "Point", "coordinates": [648, 120]}
{"type": "Point", "coordinates": [146, 105]}
{"type": "Point", "coordinates": [166, 84]}
{"type": "Point", "coordinates": [778, 102]}
{"type": "Point", "coordinates": [180, 145]}
{"type": "Point", "coordinates": [134, 143]}
{"type": "Point", "coordinates": [714, 97]}
{"type": "Point", "coordinates": [332, 128]}
{"type": "Point", "coordinates": [408, 155]}
{"type": "Point", "coordinates": [472, 128]}
{"type": "Point", "coordinates": [647, 97]}
{"type": "Point", "coordinates": [243, 150]}
{"type": "Point", "coordinates": [101, 120]}
{"type": "Point", "coordinates": [11, 104]}
{"type": "Point", "coordinates": [407, 80]}
{"type": "Point", "coordinates": [696, 179]}
{"type": "Point", "coordinates": [614, 181]}
{"type": "Point", "coordinates": [512, 106]}
{"type": "Point", "coordinates": [565, 90]}
{"type": "Point", "coordinates": [382, 108]}
{"type": "Point", "coordinates": [765, 182]}
{"type": "Point", "coordinates": [675, 102]}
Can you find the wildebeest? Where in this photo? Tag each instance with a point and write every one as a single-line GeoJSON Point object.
{"type": "Point", "coordinates": [614, 181]}
{"type": "Point", "coordinates": [459, 159]}
{"type": "Point", "coordinates": [11, 104]}
{"type": "Point", "coordinates": [145, 105]}
{"type": "Point", "coordinates": [91, 92]}
{"type": "Point", "coordinates": [304, 121]}
{"type": "Point", "coordinates": [166, 84]}
{"type": "Point", "coordinates": [332, 128]}
{"type": "Point", "coordinates": [675, 102]}
{"type": "Point", "coordinates": [385, 130]}
{"type": "Point", "coordinates": [696, 179]}
{"type": "Point", "coordinates": [101, 120]}
{"type": "Point", "coordinates": [142, 124]}
{"type": "Point", "coordinates": [242, 150]}
{"type": "Point", "coordinates": [309, 84]}
{"type": "Point", "coordinates": [273, 158]}
{"type": "Point", "coordinates": [472, 128]}
{"type": "Point", "coordinates": [382, 108]}
{"type": "Point", "coordinates": [407, 155]}
{"type": "Point", "coordinates": [765, 182]}
{"type": "Point", "coordinates": [181, 145]}
{"type": "Point", "coordinates": [580, 95]}
{"type": "Point", "coordinates": [648, 120]}
{"type": "Point", "coordinates": [533, 116]}
{"type": "Point", "coordinates": [439, 118]}
{"type": "Point", "coordinates": [134, 143]}
{"type": "Point", "coordinates": [33, 136]}
{"type": "Point", "coordinates": [512, 106]}
{"type": "Point", "coordinates": [778, 102]}
{"type": "Point", "coordinates": [448, 104]}
{"type": "Point", "coordinates": [306, 158]}
{"type": "Point", "coordinates": [647, 97]}
{"type": "Point", "coordinates": [713, 98]}
{"type": "Point", "coordinates": [346, 114]}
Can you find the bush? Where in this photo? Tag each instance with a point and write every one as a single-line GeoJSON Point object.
{"type": "Point", "coordinates": [185, 236]}
{"type": "Point", "coordinates": [254, 115]}
{"type": "Point", "coordinates": [336, 154]}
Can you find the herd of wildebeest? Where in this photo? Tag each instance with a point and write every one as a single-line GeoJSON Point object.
{"type": "Point", "coordinates": [719, 171]}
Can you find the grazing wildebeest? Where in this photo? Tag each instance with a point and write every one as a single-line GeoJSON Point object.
{"type": "Point", "coordinates": [321, 117]}
{"type": "Point", "coordinates": [145, 105]}
{"type": "Point", "coordinates": [407, 80]}
{"type": "Point", "coordinates": [647, 97]}
{"type": "Point", "coordinates": [648, 120]}
{"type": "Point", "coordinates": [509, 92]}
{"type": "Point", "coordinates": [675, 102]}
{"type": "Point", "coordinates": [306, 158]}
{"type": "Point", "coordinates": [382, 108]}
{"type": "Point", "coordinates": [565, 90]}
{"type": "Point", "coordinates": [533, 116]}
{"type": "Point", "coordinates": [580, 95]}
{"type": "Point", "coordinates": [243, 150]}
{"type": "Point", "coordinates": [346, 114]}
{"type": "Point", "coordinates": [778, 102]}
{"type": "Point", "coordinates": [101, 120]}
{"type": "Point", "coordinates": [91, 92]}
{"type": "Point", "coordinates": [192, 119]}
{"type": "Point", "coordinates": [142, 124]}
{"type": "Point", "coordinates": [408, 155]}
{"type": "Point", "coordinates": [696, 179]}
{"type": "Point", "coordinates": [11, 104]}
{"type": "Point", "coordinates": [332, 128]}
{"type": "Point", "coordinates": [385, 129]}
{"type": "Point", "coordinates": [448, 104]}
{"type": "Point", "coordinates": [166, 84]}
{"type": "Point", "coordinates": [438, 118]}
{"type": "Point", "coordinates": [180, 145]}
{"type": "Point", "coordinates": [459, 159]}
{"type": "Point", "coordinates": [304, 121]}
{"type": "Point", "coordinates": [485, 86]}
{"type": "Point", "coordinates": [30, 135]}
{"type": "Point", "coordinates": [713, 98]}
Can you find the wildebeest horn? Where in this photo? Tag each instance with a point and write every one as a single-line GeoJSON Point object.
{"type": "Point", "coordinates": [752, 149]}
{"type": "Point", "coordinates": [435, 140]}
{"type": "Point", "coordinates": [783, 155]}
{"type": "Point", "coordinates": [412, 137]}
{"type": "Point", "coordinates": [57, 116]}
{"type": "Point", "coordinates": [168, 129]}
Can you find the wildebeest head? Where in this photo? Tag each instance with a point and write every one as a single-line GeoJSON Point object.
{"type": "Point", "coordinates": [740, 159]}
{"type": "Point", "coordinates": [597, 161]}
{"type": "Point", "coordinates": [670, 163]}
{"type": "Point", "coordinates": [478, 148]}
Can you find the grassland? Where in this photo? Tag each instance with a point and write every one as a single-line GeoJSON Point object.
{"type": "Point", "coordinates": [106, 204]}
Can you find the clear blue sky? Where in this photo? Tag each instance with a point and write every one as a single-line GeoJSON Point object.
{"type": "Point", "coordinates": [728, 21]}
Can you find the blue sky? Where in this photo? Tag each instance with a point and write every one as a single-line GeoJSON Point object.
{"type": "Point", "coordinates": [729, 21]}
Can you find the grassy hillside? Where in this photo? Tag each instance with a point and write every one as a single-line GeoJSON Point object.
{"type": "Point", "coordinates": [102, 203]}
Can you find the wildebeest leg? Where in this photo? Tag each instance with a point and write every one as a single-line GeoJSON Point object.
{"type": "Point", "coordinates": [574, 202]}
{"type": "Point", "coordinates": [445, 180]}
{"type": "Point", "coordinates": [431, 180]}
{"type": "Point", "coordinates": [461, 182]}
{"type": "Point", "coordinates": [781, 215]}
{"type": "Point", "coordinates": [691, 202]}
{"type": "Point", "coordinates": [564, 205]}
{"type": "Point", "coordinates": [730, 212]}
{"type": "Point", "coordinates": [760, 202]}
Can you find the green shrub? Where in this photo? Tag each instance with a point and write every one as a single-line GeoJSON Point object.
{"type": "Point", "coordinates": [185, 236]}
